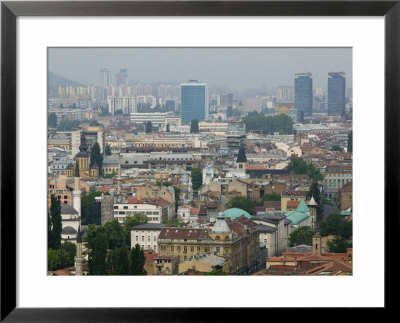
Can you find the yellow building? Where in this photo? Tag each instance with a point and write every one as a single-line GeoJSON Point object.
{"type": "Point", "coordinates": [291, 196]}
{"type": "Point", "coordinates": [283, 108]}
{"type": "Point", "coordinates": [237, 242]}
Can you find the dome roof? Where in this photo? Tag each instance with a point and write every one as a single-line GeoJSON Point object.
{"type": "Point", "coordinates": [68, 230]}
{"type": "Point", "coordinates": [234, 213]}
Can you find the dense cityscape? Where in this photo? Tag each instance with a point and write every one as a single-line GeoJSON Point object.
{"type": "Point", "coordinates": [189, 177]}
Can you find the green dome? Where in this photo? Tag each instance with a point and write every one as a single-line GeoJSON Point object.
{"type": "Point", "coordinates": [234, 213]}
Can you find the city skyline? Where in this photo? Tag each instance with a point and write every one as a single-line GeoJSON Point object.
{"type": "Point", "coordinates": [233, 68]}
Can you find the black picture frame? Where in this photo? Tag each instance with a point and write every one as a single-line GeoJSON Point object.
{"type": "Point", "coordinates": [10, 10]}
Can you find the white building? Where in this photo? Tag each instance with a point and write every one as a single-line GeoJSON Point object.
{"type": "Point", "coordinates": [146, 235]}
{"type": "Point", "coordinates": [154, 213]}
{"type": "Point", "coordinates": [126, 104]}
{"type": "Point", "coordinates": [156, 118]}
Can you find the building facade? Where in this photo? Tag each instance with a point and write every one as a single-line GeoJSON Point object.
{"type": "Point", "coordinates": [194, 101]}
{"type": "Point", "coordinates": [303, 95]}
{"type": "Point", "coordinates": [336, 93]}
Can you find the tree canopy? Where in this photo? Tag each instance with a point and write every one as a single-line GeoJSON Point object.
{"type": "Point", "coordinates": [55, 225]}
{"type": "Point", "coordinates": [149, 127]}
{"type": "Point", "coordinates": [197, 178]}
{"type": "Point", "coordinates": [273, 196]}
{"type": "Point", "coordinates": [336, 224]}
{"type": "Point", "coordinates": [301, 235]}
{"type": "Point", "coordinates": [108, 150]}
{"type": "Point", "coordinates": [350, 142]}
{"type": "Point", "coordinates": [87, 203]}
{"type": "Point", "coordinates": [137, 261]}
{"type": "Point", "coordinates": [299, 166]}
{"type": "Point", "coordinates": [270, 124]}
{"type": "Point", "coordinates": [96, 157]}
{"type": "Point", "coordinates": [339, 244]}
{"type": "Point", "coordinates": [336, 148]}
{"type": "Point", "coordinates": [194, 126]}
{"type": "Point", "coordinates": [243, 203]}
{"type": "Point", "coordinates": [52, 120]}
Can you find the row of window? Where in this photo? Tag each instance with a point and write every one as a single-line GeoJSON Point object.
{"type": "Point", "coordinates": [192, 249]}
{"type": "Point", "coordinates": [148, 238]}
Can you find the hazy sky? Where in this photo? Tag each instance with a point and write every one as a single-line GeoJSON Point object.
{"type": "Point", "coordinates": [237, 68]}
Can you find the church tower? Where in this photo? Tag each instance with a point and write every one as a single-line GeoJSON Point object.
{"type": "Point", "coordinates": [76, 193]}
{"type": "Point", "coordinates": [316, 244]}
{"type": "Point", "coordinates": [78, 257]}
{"type": "Point", "coordinates": [312, 205]}
{"type": "Point", "coordinates": [82, 158]}
{"type": "Point", "coordinates": [241, 159]}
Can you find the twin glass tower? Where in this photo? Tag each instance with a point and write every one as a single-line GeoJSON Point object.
{"type": "Point", "coordinates": [194, 101]}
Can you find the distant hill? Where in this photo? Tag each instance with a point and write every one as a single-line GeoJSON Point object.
{"type": "Point", "coordinates": [54, 81]}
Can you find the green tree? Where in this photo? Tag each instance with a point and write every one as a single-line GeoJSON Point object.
{"type": "Point", "coordinates": [66, 254]}
{"type": "Point", "coordinates": [137, 260]}
{"type": "Point", "coordinates": [336, 148]}
{"type": "Point", "coordinates": [194, 126]}
{"type": "Point", "coordinates": [108, 150]}
{"type": "Point", "coordinates": [218, 272]}
{"type": "Point", "coordinates": [98, 255]}
{"type": "Point", "coordinates": [168, 128]}
{"type": "Point", "coordinates": [197, 178]}
{"type": "Point", "coordinates": [131, 221]}
{"type": "Point", "coordinates": [273, 196]}
{"type": "Point", "coordinates": [299, 166]}
{"type": "Point", "coordinates": [350, 142]}
{"type": "Point", "coordinates": [96, 157]}
{"type": "Point", "coordinates": [53, 260]}
{"type": "Point", "coordinates": [339, 244]}
{"type": "Point", "coordinates": [55, 223]}
{"type": "Point", "coordinates": [243, 203]}
{"type": "Point", "coordinates": [301, 235]}
{"type": "Point", "coordinates": [270, 124]}
{"type": "Point", "coordinates": [52, 121]}
{"type": "Point", "coordinates": [177, 223]}
{"type": "Point", "coordinates": [118, 261]}
{"type": "Point", "coordinates": [87, 203]}
{"type": "Point", "coordinates": [110, 175]}
{"type": "Point", "coordinates": [149, 127]}
{"type": "Point", "coordinates": [336, 224]}
{"type": "Point", "coordinates": [115, 234]}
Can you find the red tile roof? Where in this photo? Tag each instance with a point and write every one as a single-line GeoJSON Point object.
{"type": "Point", "coordinates": [292, 204]}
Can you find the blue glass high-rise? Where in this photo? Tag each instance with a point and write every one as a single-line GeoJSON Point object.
{"type": "Point", "coordinates": [194, 101]}
{"type": "Point", "coordinates": [336, 93]}
{"type": "Point", "coordinates": [303, 95]}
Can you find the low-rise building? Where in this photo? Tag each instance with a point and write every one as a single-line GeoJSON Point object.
{"type": "Point", "coordinates": [146, 235]}
{"type": "Point", "coordinates": [237, 241]}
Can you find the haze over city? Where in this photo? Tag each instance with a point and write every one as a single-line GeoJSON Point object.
{"type": "Point", "coordinates": [234, 68]}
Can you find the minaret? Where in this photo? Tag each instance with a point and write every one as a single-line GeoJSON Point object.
{"type": "Point", "coordinates": [78, 257]}
{"type": "Point", "coordinates": [76, 193]}
{"type": "Point", "coordinates": [119, 177]}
